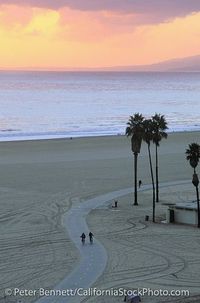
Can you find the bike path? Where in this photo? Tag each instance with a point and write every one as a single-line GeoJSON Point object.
{"type": "Point", "coordinates": [93, 258]}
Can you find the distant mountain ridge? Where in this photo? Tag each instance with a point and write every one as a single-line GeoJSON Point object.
{"type": "Point", "coordinates": [188, 64]}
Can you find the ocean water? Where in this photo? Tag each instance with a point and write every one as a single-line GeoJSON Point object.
{"type": "Point", "coordinates": [37, 105]}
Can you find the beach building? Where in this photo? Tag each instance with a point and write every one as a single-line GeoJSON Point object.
{"type": "Point", "coordinates": [184, 212]}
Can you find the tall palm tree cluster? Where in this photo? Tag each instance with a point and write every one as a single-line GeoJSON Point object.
{"type": "Point", "coordinates": [150, 131]}
{"type": "Point", "coordinates": [193, 156]}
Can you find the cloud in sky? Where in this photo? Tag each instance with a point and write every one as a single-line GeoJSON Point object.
{"type": "Point", "coordinates": [89, 33]}
{"type": "Point", "coordinates": [43, 42]}
{"type": "Point", "coordinates": [159, 10]}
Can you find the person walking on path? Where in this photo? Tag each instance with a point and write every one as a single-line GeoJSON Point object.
{"type": "Point", "coordinates": [140, 183]}
{"type": "Point", "coordinates": [91, 237]}
{"type": "Point", "coordinates": [83, 236]}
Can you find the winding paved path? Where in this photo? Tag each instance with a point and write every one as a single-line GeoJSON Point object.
{"type": "Point", "coordinates": [93, 258]}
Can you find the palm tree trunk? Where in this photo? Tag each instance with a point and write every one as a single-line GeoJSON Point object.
{"type": "Point", "coordinates": [153, 184]}
{"type": "Point", "coordinates": [198, 209]}
{"type": "Point", "coordinates": [157, 186]}
{"type": "Point", "coordinates": [135, 178]}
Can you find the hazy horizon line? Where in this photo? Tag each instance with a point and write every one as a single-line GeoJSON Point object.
{"type": "Point", "coordinates": [155, 67]}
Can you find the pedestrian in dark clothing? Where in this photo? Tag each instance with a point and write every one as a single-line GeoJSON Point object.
{"type": "Point", "coordinates": [83, 236]}
{"type": "Point", "coordinates": [91, 237]}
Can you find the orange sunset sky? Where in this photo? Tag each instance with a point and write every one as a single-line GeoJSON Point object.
{"type": "Point", "coordinates": [42, 34]}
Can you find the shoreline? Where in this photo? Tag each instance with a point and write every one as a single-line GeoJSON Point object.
{"type": "Point", "coordinates": [86, 137]}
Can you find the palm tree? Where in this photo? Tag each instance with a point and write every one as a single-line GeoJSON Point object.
{"type": "Point", "coordinates": [193, 156]}
{"type": "Point", "coordinates": [135, 130]}
{"type": "Point", "coordinates": [159, 129]}
{"type": "Point", "coordinates": [148, 137]}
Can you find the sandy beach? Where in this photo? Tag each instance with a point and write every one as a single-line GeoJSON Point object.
{"type": "Point", "coordinates": [39, 182]}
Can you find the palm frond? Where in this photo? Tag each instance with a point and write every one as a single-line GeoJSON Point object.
{"type": "Point", "coordinates": [193, 154]}
{"type": "Point", "coordinates": [159, 128]}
